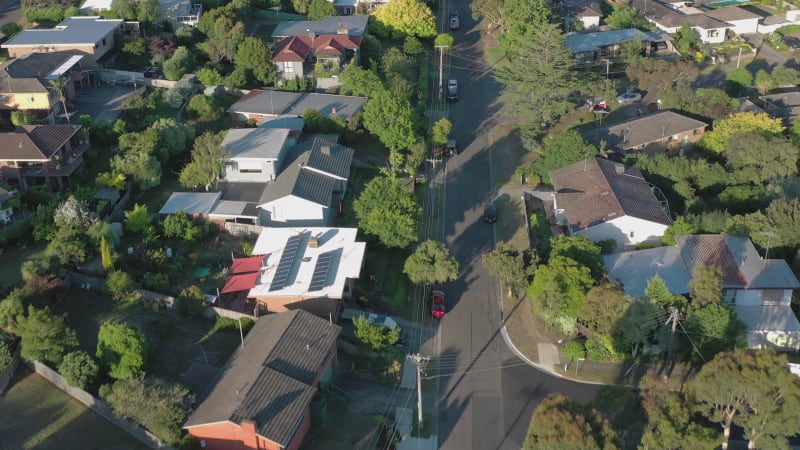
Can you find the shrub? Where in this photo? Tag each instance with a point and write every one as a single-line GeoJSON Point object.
{"type": "Point", "coordinates": [607, 246]}
{"type": "Point", "coordinates": [122, 349]}
{"type": "Point", "coordinates": [79, 369]}
{"type": "Point", "coordinates": [231, 325]}
{"type": "Point", "coordinates": [595, 350]}
{"type": "Point", "coordinates": [120, 285]}
{"type": "Point", "coordinates": [5, 354]}
{"type": "Point", "coordinates": [194, 300]}
{"type": "Point", "coordinates": [11, 29]}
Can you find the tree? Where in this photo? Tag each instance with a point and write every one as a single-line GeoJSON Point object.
{"type": "Point", "coordinates": [623, 17]}
{"type": "Point", "coordinates": [178, 65]}
{"type": "Point", "coordinates": [602, 308]}
{"type": "Point", "coordinates": [172, 136]}
{"type": "Point", "coordinates": [19, 118]}
{"type": "Point", "coordinates": [714, 328]}
{"type": "Point", "coordinates": [79, 369]}
{"type": "Point", "coordinates": [559, 423]}
{"type": "Point", "coordinates": [687, 39]}
{"type": "Point", "coordinates": [5, 355]}
{"type": "Point", "coordinates": [105, 254]}
{"type": "Point", "coordinates": [179, 93]}
{"type": "Point", "coordinates": [158, 405]}
{"type": "Point", "coordinates": [58, 84]}
{"type": "Point", "coordinates": [777, 157]}
{"type": "Point", "coordinates": [658, 293]}
{"type": "Point", "coordinates": [161, 48]}
{"type": "Point", "coordinates": [558, 288]}
{"type": "Point", "coordinates": [209, 76]}
{"type": "Point", "coordinates": [538, 79]}
{"type": "Point", "coordinates": [254, 57]}
{"type": "Point", "coordinates": [491, 11]}
{"type": "Point", "coordinates": [204, 109]}
{"type": "Point", "coordinates": [301, 6]}
{"type": "Point", "coordinates": [45, 336]}
{"type": "Point", "coordinates": [194, 300]}
{"type": "Point", "coordinates": [443, 41]}
{"type": "Point", "coordinates": [669, 424]}
{"type": "Point", "coordinates": [639, 322]}
{"type": "Point", "coordinates": [11, 29]}
{"type": "Point", "coordinates": [440, 132]}
{"type": "Point", "coordinates": [431, 263]}
{"type": "Point", "coordinates": [718, 139]}
{"type": "Point", "coordinates": [138, 220]}
{"type": "Point", "coordinates": [763, 82]}
{"type": "Point", "coordinates": [388, 210]}
{"type": "Point", "coordinates": [377, 336]}
{"type": "Point", "coordinates": [73, 214]}
{"type": "Point", "coordinates": [359, 81]}
{"type": "Point", "coordinates": [179, 225]}
{"type": "Point", "coordinates": [223, 40]}
{"type": "Point", "coordinates": [389, 116]}
{"type": "Point", "coordinates": [561, 150]}
{"type": "Point", "coordinates": [574, 351]}
{"type": "Point", "coordinates": [581, 250]}
{"type": "Point", "coordinates": [141, 168]}
{"type": "Point", "coordinates": [120, 284]}
{"type": "Point", "coordinates": [135, 48]}
{"type": "Point", "coordinates": [705, 287]}
{"type": "Point", "coordinates": [785, 77]}
{"type": "Point", "coordinates": [400, 18]}
{"type": "Point", "coordinates": [521, 19]}
{"type": "Point", "coordinates": [738, 81]}
{"type": "Point", "coordinates": [206, 164]}
{"type": "Point", "coordinates": [121, 349]}
{"type": "Point", "coordinates": [758, 393]}
{"type": "Point", "coordinates": [319, 9]}
{"type": "Point", "coordinates": [508, 264]}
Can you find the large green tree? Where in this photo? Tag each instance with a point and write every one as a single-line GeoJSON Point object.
{"type": "Point", "coordinates": [45, 336]}
{"type": "Point", "coordinates": [705, 287]}
{"type": "Point", "coordinates": [561, 150]}
{"type": "Point", "coordinates": [559, 423]}
{"type": "Point", "coordinates": [712, 329]}
{"type": "Point", "coordinates": [538, 78]}
{"type": "Point", "coordinates": [359, 81]}
{"type": "Point", "coordinates": [254, 57]}
{"type": "Point", "coordinates": [141, 168]}
{"type": "Point", "coordinates": [376, 336]}
{"type": "Point", "coordinates": [726, 130]}
{"type": "Point", "coordinates": [638, 324]}
{"type": "Point", "coordinates": [400, 18]}
{"type": "Point", "coordinates": [387, 209]}
{"type": "Point", "coordinates": [777, 157]}
{"type": "Point", "coordinates": [319, 9]}
{"type": "Point", "coordinates": [206, 164]}
{"type": "Point", "coordinates": [521, 19]}
{"type": "Point", "coordinates": [558, 289]}
{"type": "Point", "coordinates": [431, 263]}
{"type": "Point", "coordinates": [508, 264]}
{"type": "Point", "coordinates": [389, 116]}
{"type": "Point", "coordinates": [79, 369]}
{"type": "Point", "coordinates": [602, 308]}
{"type": "Point", "coordinates": [623, 17]}
{"type": "Point", "coordinates": [122, 349]}
{"type": "Point", "coordinates": [582, 250]}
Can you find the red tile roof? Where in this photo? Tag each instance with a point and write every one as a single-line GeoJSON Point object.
{"type": "Point", "coordinates": [297, 48]}
{"type": "Point", "coordinates": [292, 49]}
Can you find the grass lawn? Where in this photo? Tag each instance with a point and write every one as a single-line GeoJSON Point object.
{"type": "Point", "coordinates": [12, 258]}
{"type": "Point", "coordinates": [344, 431]}
{"type": "Point", "coordinates": [176, 341]}
{"type": "Point", "coordinates": [36, 414]}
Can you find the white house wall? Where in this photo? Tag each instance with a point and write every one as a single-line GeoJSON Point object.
{"type": "Point", "coordinates": [744, 26]}
{"type": "Point", "coordinates": [620, 230]}
{"type": "Point", "coordinates": [293, 211]}
{"type": "Point", "coordinates": [719, 38]}
{"type": "Point", "coordinates": [268, 168]}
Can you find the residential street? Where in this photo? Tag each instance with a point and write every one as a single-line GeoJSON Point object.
{"type": "Point", "coordinates": [486, 407]}
{"type": "Point", "coordinates": [10, 11]}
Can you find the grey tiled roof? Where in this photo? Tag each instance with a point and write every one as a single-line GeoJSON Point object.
{"type": "Point", "coordinates": [302, 182]}
{"type": "Point", "coordinates": [267, 102]}
{"type": "Point", "coordinates": [276, 103]}
{"type": "Point", "coordinates": [592, 192]}
{"type": "Point", "coordinates": [329, 157]}
{"type": "Point", "coordinates": [355, 25]}
{"type": "Point", "coordinates": [328, 105]}
{"type": "Point", "coordinates": [643, 130]}
{"type": "Point", "coordinates": [75, 30]}
{"type": "Point", "coordinates": [269, 380]}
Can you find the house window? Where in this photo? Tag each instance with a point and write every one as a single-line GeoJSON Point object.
{"type": "Point", "coordinates": [348, 11]}
{"type": "Point", "coordinates": [729, 296]}
{"type": "Point", "coordinates": [249, 170]}
{"type": "Point", "coordinates": [631, 234]}
{"type": "Point", "coordinates": [288, 67]}
{"type": "Point", "coordinates": [104, 41]}
{"type": "Point", "coordinates": [713, 33]}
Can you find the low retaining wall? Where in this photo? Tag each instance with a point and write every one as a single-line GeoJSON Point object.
{"type": "Point", "coordinates": [8, 373]}
{"type": "Point", "coordinates": [97, 406]}
{"type": "Point", "coordinates": [242, 229]}
{"type": "Point", "coordinates": [215, 312]}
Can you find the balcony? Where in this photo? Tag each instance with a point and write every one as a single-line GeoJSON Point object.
{"type": "Point", "coordinates": [62, 167]}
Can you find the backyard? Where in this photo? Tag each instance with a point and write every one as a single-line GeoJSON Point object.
{"type": "Point", "coordinates": [36, 414]}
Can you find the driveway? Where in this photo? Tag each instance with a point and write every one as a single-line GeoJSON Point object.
{"type": "Point", "coordinates": [10, 11]}
{"type": "Point", "coordinates": [101, 103]}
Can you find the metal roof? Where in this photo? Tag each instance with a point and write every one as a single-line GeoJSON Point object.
{"type": "Point", "coordinates": [589, 42]}
{"type": "Point", "coordinates": [354, 26]}
{"type": "Point", "coordinates": [634, 269]}
{"type": "Point", "coordinates": [328, 105]}
{"type": "Point", "coordinates": [267, 102]}
{"type": "Point", "coordinates": [41, 65]}
{"type": "Point", "coordinates": [268, 381]}
{"type": "Point", "coordinates": [72, 31]}
{"type": "Point", "coordinates": [328, 157]}
{"type": "Point", "coordinates": [191, 202]}
{"type": "Point", "coordinates": [257, 143]}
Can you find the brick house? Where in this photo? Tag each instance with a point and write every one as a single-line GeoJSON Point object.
{"type": "Point", "coordinates": [262, 400]}
{"type": "Point", "coordinates": [40, 155]}
{"type": "Point", "coordinates": [659, 132]}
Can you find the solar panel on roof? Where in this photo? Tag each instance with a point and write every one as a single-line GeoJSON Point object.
{"type": "Point", "coordinates": [286, 263]}
{"type": "Point", "coordinates": [321, 269]}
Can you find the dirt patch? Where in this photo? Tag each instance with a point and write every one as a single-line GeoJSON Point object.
{"type": "Point", "coordinates": [525, 329]}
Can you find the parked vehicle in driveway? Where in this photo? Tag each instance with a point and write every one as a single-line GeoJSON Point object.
{"type": "Point", "coordinates": [629, 97]}
{"type": "Point", "coordinates": [438, 307]}
{"type": "Point", "coordinates": [452, 90]}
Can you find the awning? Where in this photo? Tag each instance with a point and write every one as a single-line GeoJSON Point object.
{"type": "Point", "coordinates": [245, 265]}
{"type": "Point", "coordinates": [241, 282]}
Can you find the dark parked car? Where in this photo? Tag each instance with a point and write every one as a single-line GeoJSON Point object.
{"type": "Point", "coordinates": [490, 213]}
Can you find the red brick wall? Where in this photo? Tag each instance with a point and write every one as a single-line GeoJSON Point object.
{"type": "Point", "coordinates": [228, 436]}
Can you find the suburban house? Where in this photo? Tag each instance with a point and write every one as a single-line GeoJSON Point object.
{"type": "Point", "coordinates": [587, 13]}
{"type": "Point", "coordinates": [758, 289]}
{"type": "Point", "coordinates": [785, 106]}
{"type": "Point", "coordinates": [45, 155]}
{"type": "Point", "coordinates": [657, 132]}
{"type": "Point", "coordinates": [264, 395]}
{"type": "Point", "coordinates": [310, 189]}
{"type": "Point", "coordinates": [25, 83]}
{"type": "Point", "coordinates": [210, 207]}
{"type": "Point", "coordinates": [255, 154]}
{"type": "Point", "coordinates": [319, 46]}
{"type": "Point", "coordinates": [602, 199]}
{"type": "Point", "coordinates": [93, 37]}
{"type": "Point", "coordinates": [740, 20]}
{"type": "Point", "coordinates": [606, 45]}
{"type": "Point", "coordinates": [311, 268]}
{"type": "Point", "coordinates": [261, 105]}
{"type": "Point", "coordinates": [771, 23]}
{"type": "Point", "coordinates": [671, 19]}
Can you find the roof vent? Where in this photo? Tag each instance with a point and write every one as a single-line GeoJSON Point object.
{"type": "Point", "coordinates": [313, 242]}
{"type": "Point", "coordinates": [619, 168]}
{"type": "Point", "coordinates": [341, 29]}
{"type": "Point", "coordinates": [325, 149]}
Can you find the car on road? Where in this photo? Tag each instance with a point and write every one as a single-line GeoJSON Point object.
{"type": "Point", "coordinates": [452, 90]}
{"type": "Point", "coordinates": [438, 305]}
{"type": "Point", "coordinates": [490, 213]}
{"type": "Point", "coordinates": [629, 97]}
{"type": "Point", "coordinates": [451, 149]}
{"type": "Point", "coordinates": [455, 20]}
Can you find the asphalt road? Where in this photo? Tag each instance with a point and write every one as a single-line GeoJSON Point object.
{"type": "Point", "coordinates": [486, 394]}
{"type": "Point", "coordinates": [10, 11]}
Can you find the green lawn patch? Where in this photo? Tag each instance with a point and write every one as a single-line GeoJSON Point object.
{"type": "Point", "coordinates": [36, 414]}
{"type": "Point", "coordinates": [12, 260]}
{"type": "Point", "coordinates": [343, 431]}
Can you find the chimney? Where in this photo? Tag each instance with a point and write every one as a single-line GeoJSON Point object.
{"type": "Point", "coordinates": [619, 168]}
{"type": "Point", "coordinates": [313, 242]}
{"type": "Point", "coordinates": [311, 35]}
{"type": "Point", "coordinates": [325, 149]}
{"type": "Point", "coordinates": [341, 29]}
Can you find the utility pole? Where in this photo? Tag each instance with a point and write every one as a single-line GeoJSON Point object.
{"type": "Point", "coordinates": [674, 317]}
{"type": "Point", "coordinates": [419, 360]}
{"type": "Point", "coordinates": [441, 68]}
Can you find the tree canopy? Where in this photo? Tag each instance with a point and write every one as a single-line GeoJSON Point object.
{"type": "Point", "coordinates": [45, 336]}
{"type": "Point", "coordinates": [388, 210]}
{"type": "Point", "coordinates": [79, 369]}
{"type": "Point", "coordinates": [122, 349]}
{"type": "Point", "coordinates": [508, 264]}
{"type": "Point", "coordinates": [389, 116]}
{"type": "Point", "coordinates": [359, 81]}
{"type": "Point", "coordinates": [559, 423]}
{"type": "Point", "coordinates": [206, 164]}
{"type": "Point", "coordinates": [561, 150]}
{"type": "Point", "coordinates": [558, 289]}
{"type": "Point", "coordinates": [724, 131]}
{"type": "Point", "coordinates": [319, 9]}
{"type": "Point", "coordinates": [581, 250]}
{"type": "Point", "coordinates": [400, 18]}
{"type": "Point", "coordinates": [431, 263]}
{"type": "Point", "coordinates": [376, 336]}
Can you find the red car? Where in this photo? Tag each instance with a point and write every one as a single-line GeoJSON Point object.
{"type": "Point", "coordinates": [438, 307]}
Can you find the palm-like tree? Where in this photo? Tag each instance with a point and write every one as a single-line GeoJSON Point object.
{"type": "Point", "coordinates": [58, 84]}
